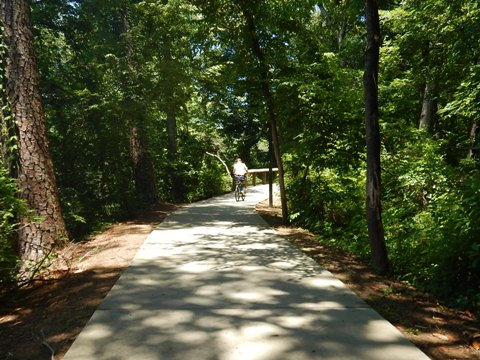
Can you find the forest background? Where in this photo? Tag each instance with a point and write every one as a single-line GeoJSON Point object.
{"type": "Point", "coordinates": [142, 99]}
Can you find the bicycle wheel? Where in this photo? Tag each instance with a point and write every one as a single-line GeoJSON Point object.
{"type": "Point", "coordinates": [237, 193]}
{"type": "Point", "coordinates": [241, 189]}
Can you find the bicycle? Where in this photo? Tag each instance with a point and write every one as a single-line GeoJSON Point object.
{"type": "Point", "coordinates": [240, 188]}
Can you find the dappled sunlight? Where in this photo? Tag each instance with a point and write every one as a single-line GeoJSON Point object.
{"type": "Point", "coordinates": [9, 318]}
{"type": "Point", "coordinates": [196, 267]}
{"type": "Point", "coordinates": [259, 294]}
{"type": "Point", "coordinates": [214, 282]}
{"type": "Point", "coordinates": [324, 304]}
{"type": "Point", "coordinates": [192, 337]}
{"type": "Point", "coordinates": [373, 331]}
{"type": "Point", "coordinates": [98, 331]}
{"type": "Point", "coordinates": [324, 281]}
{"type": "Point", "coordinates": [252, 344]}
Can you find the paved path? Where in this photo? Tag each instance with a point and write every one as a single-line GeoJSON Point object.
{"type": "Point", "coordinates": [214, 282]}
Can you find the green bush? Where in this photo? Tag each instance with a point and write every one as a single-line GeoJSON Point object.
{"type": "Point", "coordinates": [430, 215]}
{"type": "Point", "coordinates": [206, 181]}
{"type": "Point", "coordinates": [327, 201]}
{"type": "Point", "coordinates": [457, 255]}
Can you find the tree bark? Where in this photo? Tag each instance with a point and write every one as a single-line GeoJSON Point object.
{"type": "Point", "coordinates": [227, 170]}
{"type": "Point", "coordinates": [373, 190]}
{"type": "Point", "coordinates": [271, 113]}
{"type": "Point", "coordinates": [472, 136]}
{"type": "Point", "coordinates": [36, 176]}
{"type": "Point", "coordinates": [429, 108]}
{"type": "Point", "coordinates": [343, 25]}
{"type": "Point", "coordinates": [143, 171]}
{"type": "Point", "coordinates": [176, 181]}
{"type": "Point", "coordinates": [170, 111]}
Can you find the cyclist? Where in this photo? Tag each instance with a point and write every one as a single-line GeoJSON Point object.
{"type": "Point", "coordinates": [240, 172]}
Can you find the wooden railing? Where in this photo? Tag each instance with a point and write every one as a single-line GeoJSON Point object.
{"type": "Point", "coordinates": [261, 173]}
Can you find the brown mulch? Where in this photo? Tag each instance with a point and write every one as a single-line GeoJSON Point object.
{"type": "Point", "coordinates": [45, 318]}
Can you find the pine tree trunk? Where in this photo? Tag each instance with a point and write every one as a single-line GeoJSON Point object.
{"type": "Point", "coordinates": [35, 168]}
{"type": "Point", "coordinates": [373, 191]}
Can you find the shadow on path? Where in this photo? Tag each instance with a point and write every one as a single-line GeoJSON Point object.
{"type": "Point", "coordinates": [213, 281]}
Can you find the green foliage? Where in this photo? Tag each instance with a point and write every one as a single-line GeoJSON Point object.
{"type": "Point", "coordinates": [413, 177]}
{"type": "Point", "coordinates": [190, 61]}
{"type": "Point", "coordinates": [208, 181]}
{"type": "Point", "coordinates": [456, 211]}
{"type": "Point", "coordinates": [326, 200]}
{"type": "Point", "coordinates": [10, 205]}
{"type": "Point", "coordinates": [430, 212]}
{"type": "Point", "coordinates": [10, 208]}
{"type": "Point", "coordinates": [429, 183]}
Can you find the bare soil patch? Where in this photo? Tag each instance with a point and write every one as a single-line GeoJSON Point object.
{"type": "Point", "coordinates": [42, 321]}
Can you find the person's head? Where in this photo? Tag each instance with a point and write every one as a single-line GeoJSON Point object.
{"type": "Point", "coordinates": [239, 160]}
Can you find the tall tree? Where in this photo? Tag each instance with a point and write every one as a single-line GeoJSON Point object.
{"type": "Point", "coordinates": [429, 108]}
{"type": "Point", "coordinates": [171, 118]}
{"type": "Point", "coordinates": [251, 32]}
{"type": "Point", "coordinates": [143, 170]}
{"type": "Point", "coordinates": [429, 104]}
{"type": "Point", "coordinates": [36, 176]}
{"type": "Point", "coordinates": [373, 194]}
{"type": "Point", "coordinates": [167, 31]}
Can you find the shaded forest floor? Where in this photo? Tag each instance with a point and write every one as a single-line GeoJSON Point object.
{"type": "Point", "coordinates": [42, 321]}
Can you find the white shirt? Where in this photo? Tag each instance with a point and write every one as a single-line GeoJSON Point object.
{"type": "Point", "coordinates": [240, 169]}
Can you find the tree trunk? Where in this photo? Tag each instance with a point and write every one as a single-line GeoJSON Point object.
{"type": "Point", "coordinates": [143, 169]}
{"type": "Point", "coordinates": [172, 133]}
{"type": "Point", "coordinates": [343, 25]}
{"type": "Point", "coordinates": [272, 116]}
{"type": "Point", "coordinates": [36, 176]}
{"type": "Point", "coordinates": [473, 137]}
{"type": "Point", "coordinates": [429, 108]}
{"type": "Point", "coordinates": [373, 190]}
{"type": "Point", "coordinates": [176, 181]}
{"type": "Point", "coordinates": [170, 110]}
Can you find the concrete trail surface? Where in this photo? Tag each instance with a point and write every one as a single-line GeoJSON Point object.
{"type": "Point", "coordinates": [215, 282]}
